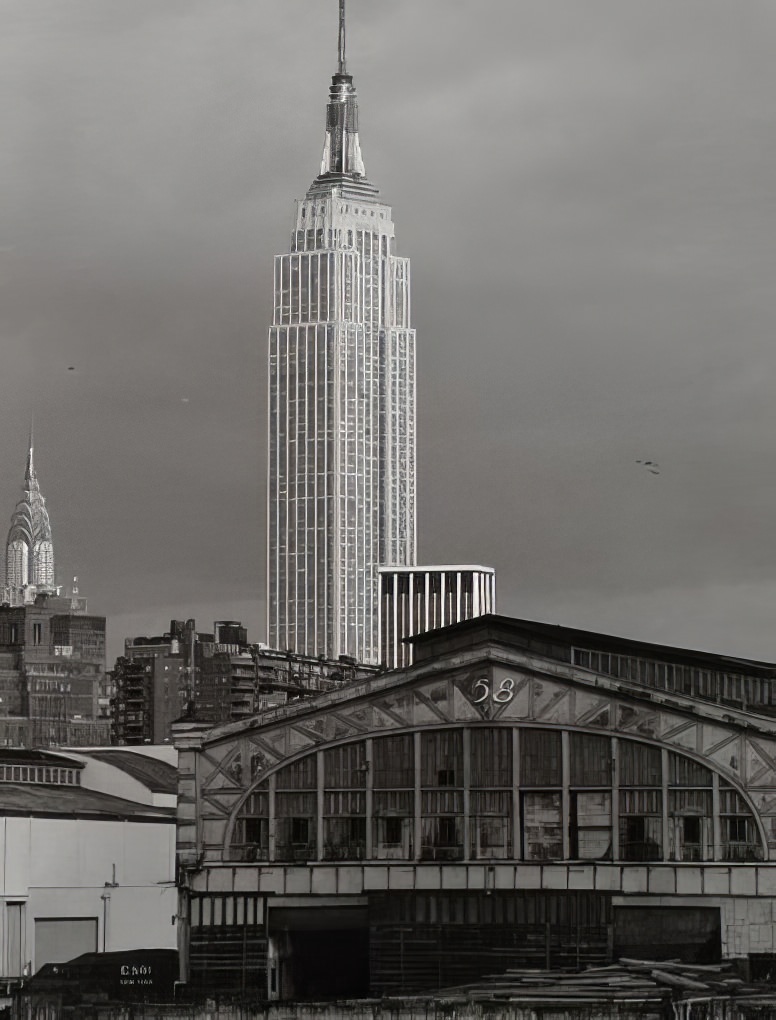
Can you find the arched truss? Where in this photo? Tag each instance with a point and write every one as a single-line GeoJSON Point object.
{"type": "Point", "coordinates": [549, 793]}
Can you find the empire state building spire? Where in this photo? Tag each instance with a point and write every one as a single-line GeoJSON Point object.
{"type": "Point", "coordinates": [342, 163]}
{"type": "Point", "coordinates": [342, 68]}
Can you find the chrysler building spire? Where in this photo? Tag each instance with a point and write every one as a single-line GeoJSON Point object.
{"type": "Point", "coordinates": [29, 551]}
{"type": "Point", "coordinates": [29, 475]}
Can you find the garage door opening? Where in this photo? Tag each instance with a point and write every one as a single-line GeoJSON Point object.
{"type": "Point", "coordinates": [318, 954]}
{"type": "Point", "coordinates": [690, 934]}
{"type": "Point", "coordinates": [59, 939]}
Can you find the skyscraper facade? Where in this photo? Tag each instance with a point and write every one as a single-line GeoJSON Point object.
{"type": "Point", "coordinates": [29, 550]}
{"type": "Point", "coordinates": [341, 465]}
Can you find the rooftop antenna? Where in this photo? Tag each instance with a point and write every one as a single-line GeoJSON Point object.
{"type": "Point", "coordinates": [30, 463]}
{"type": "Point", "coordinates": [341, 42]}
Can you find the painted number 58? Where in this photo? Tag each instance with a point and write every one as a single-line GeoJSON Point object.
{"type": "Point", "coordinates": [503, 693]}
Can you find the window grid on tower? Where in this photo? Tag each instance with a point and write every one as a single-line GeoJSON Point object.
{"type": "Point", "coordinates": [341, 468]}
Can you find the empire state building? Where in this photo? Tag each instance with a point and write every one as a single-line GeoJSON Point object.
{"type": "Point", "coordinates": [341, 465]}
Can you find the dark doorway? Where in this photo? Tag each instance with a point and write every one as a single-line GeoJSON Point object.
{"type": "Point", "coordinates": [323, 952]}
{"type": "Point", "coordinates": [692, 934]}
{"type": "Point", "coordinates": [330, 964]}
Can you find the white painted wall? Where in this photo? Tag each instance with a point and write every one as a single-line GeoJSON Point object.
{"type": "Point", "coordinates": [108, 778]}
{"type": "Point", "coordinates": [60, 867]}
{"type": "Point", "coordinates": [99, 775]}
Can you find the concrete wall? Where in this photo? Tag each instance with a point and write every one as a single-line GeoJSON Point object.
{"type": "Point", "coordinates": [60, 868]}
{"type": "Point", "coordinates": [655, 880]}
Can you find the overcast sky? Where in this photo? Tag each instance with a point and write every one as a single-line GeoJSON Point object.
{"type": "Point", "coordinates": [586, 191]}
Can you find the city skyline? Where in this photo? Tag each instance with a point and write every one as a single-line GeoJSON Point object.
{"type": "Point", "coordinates": [592, 289]}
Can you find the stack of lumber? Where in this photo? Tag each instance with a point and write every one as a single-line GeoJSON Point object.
{"type": "Point", "coordinates": [628, 980]}
{"type": "Point", "coordinates": [698, 980]}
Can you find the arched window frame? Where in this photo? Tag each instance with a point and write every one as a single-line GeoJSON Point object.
{"type": "Point", "coordinates": [516, 840]}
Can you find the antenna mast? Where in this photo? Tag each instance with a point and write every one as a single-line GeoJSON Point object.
{"type": "Point", "coordinates": [341, 42]}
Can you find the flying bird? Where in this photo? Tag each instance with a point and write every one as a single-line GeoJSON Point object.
{"type": "Point", "coordinates": [71, 368]}
{"type": "Point", "coordinates": [651, 465]}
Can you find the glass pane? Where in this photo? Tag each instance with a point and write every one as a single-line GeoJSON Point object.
{"type": "Point", "coordinates": [592, 825]}
{"type": "Point", "coordinates": [591, 760]}
{"type": "Point", "coordinates": [344, 839]}
{"type": "Point", "coordinates": [542, 835]}
{"type": "Point", "coordinates": [442, 838]}
{"type": "Point", "coordinates": [641, 825]}
{"type": "Point", "coordinates": [392, 836]}
{"type": "Point", "coordinates": [686, 772]}
{"type": "Point", "coordinates": [540, 758]}
{"type": "Point", "coordinates": [491, 753]}
{"type": "Point", "coordinates": [344, 767]}
{"type": "Point", "coordinates": [639, 764]}
{"type": "Point", "coordinates": [442, 758]}
{"type": "Point", "coordinates": [690, 828]}
{"type": "Point", "coordinates": [301, 775]}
